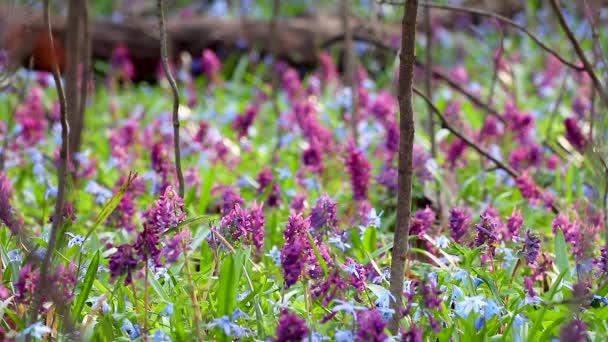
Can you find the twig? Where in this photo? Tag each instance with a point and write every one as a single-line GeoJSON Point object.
{"type": "Point", "coordinates": [459, 88]}
{"type": "Point", "coordinates": [349, 66]}
{"type": "Point", "coordinates": [466, 139]}
{"type": "Point", "coordinates": [480, 150]}
{"type": "Point", "coordinates": [579, 51]}
{"type": "Point", "coordinates": [61, 175]}
{"type": "Point", "coordinates": [406, 142]}
{"type": "Point", "coordinates": [165, 62]}
{"type": "Point", "coordinates": [500, 18]}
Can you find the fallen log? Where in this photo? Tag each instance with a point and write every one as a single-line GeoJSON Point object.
{"type": "Point", "coordinates": [298, 39]}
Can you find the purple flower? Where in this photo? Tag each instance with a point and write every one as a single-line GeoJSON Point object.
{"type": "Point", "coordinates": [327, 289]}
{"type": "Point", "coordinates": [414, 334]}
{"type": "Point", "coordinates": [313, 158]}
{"type": "Point", "coordinates": [575, 331]}
{"type": "Point", "coordinates": [431, 295]}
{"type": "Point", "coordinates": [486, 231]}
{"type": "Point", "coordinates": [419, 159]}
{"type": "Point", "coordinates": [230, 199]}
{"type": "Point", "coordinates": [520, 123]}
{"type": "Point", "coordinates": [603, 260]}
{"type": "Point", "coordinates": [514, 224]}
{"type": "Point", "coordinates": [257, 219]}
{"type": "Point", "coordinates": [574, 135]}
{"type": "Point", "coordinates": [242, 122]}
{"type": "Point", "coordinates": [532, 247]}
{"type": "Point", "coordinates": [63, 280]}
{"type": "Point", "coordinates": [422, 221]}
{"type": "Point", "coordinates": [291, 83]}
{"type": "Point", "coordinates": [293, 256]}
{"type": "Point", "coordinates": [68, 212]}
{"type": "Point", "coordinates": [455, 151]}
{"type": "Point", "coordinates": [383, 108]}
{"type": "Point", "coordinates": [174, 246]}
{"type": "Point", "coordinates": [359, 168]}
{"type": "Point", "coordinates": [388, 177]}
{"type": "Point", "coordinates": [371, 326]}
{"type": "Point", "coordinates": [167, 212]}
{"type": "Point", "coordinates": [527, 187]}
{"type": "Point", "coordinates": [210, 64]}
{"type": "Point", "coordinates": [7, 215]}
{"type": "Point", "coordinates": [292, 261]}
{"type": "Point", "coordinates": [147, 245]}
{"type": "Point", "coordinates": [460, 220]}
{"type": "Point", "coordinates": [264, 179]}
{"type": "Point", "coordinates": [291, 328]}
{"type": "Point", "coordinates": [357, 274]}
{"type": "Point", "coordinates": [121, 63]}
{"type": "Point", "coordinates": [297, 203]}
{"type": "Point", "coordinates": [324, 213]}
{"type": "Point", "coordinates": [26, 286]}
{"type": "Point", "coordinates": [123, 261]}
{"type": "Point", "coordinates": [392, 139]}
{"type": "Point", "coordinates": [529, 286]}
{"type": "Point", "coordinates": [328, 67]}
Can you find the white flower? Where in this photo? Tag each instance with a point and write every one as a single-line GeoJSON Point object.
{"type": "Point", "coordinates": [344, 336]}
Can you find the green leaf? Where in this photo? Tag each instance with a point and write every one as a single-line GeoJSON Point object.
{"type": "Point", "coordinates": [87, 284]}
{"type": "Point", "coordinates": [318, 254]}
{"type": "Point", "coordinates": [561, 252]}
{"type": "Point", "coordinates": [112, 203]}
{"type": "Point", "coordinates": [230, 275]}
{"type": "Point", "coordinates": [158, 288]}
{"type": "Point", "coordinates": [539, 320]}
{"type": "Point", "coordinates": [369, 239]}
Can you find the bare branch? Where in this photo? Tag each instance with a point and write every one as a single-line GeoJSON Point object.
{"type": "Point", "coordinates": [406, 143]}
{"type": "Point", "coordinates": [165, 62]}
{"type": "Point", "coordinates": [61, 174]}
{"type": "Point", "coordinates": [588, 67]}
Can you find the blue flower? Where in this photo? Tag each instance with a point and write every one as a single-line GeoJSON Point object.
{"type": "Point", "coordinates": [275, 255]}
{"type": "Point", "coordinates": [344, 336]}
{"type": "Point", "coordinates": [492, 309]}
{"type": "Point", "coordinates": [36, 330]}
{"type": "Point", "coordinates": [337, 241]}
{"type": "Point", "coordinates": [479, 323]}
{"type": "Point", "coordinates": [470, 304]}
{"type": "Point", "coordinates": [97, 301]}
{"type": "Point", "coordinates": [238, 313]}
{"type": "Point", "coordinates": [352, 269]}
{"type": "Point", "coordinates": [386, 313]}
{"type": "Point", "coordinates": [168, 310]}
{"type": "Point", "coordinates": [160, 336]}
{"type": "Point", "coordinates": [456, 292]}
{"type": "Point", "coordinates": [318, 337]}
{"type": "Point", "coordinates": [229, 328]}
{"type": "Point", "coordinates": [133, 330]}
{"type": "Point", "coordinates": [14, 256]}
{"type": "Point", "coordinates": [442, 241]}
{"type": "Point", "coordinates": [348, 307]}
{"type": "Point", "coordinates": [384, 299]}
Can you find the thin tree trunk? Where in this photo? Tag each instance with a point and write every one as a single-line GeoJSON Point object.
{"type": "Point", "coordinates": [349, 66]}
{"type": "Point", "coordinates": [61, 179]}
{"type": "Point", "coordinates": [85, 63]}
{"type": "Point", "coordinates": [72, 73]}
{"type": "Point", "coordinates": [406, 144]}
{"type": "Point", "coordinates": [165, 62]}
